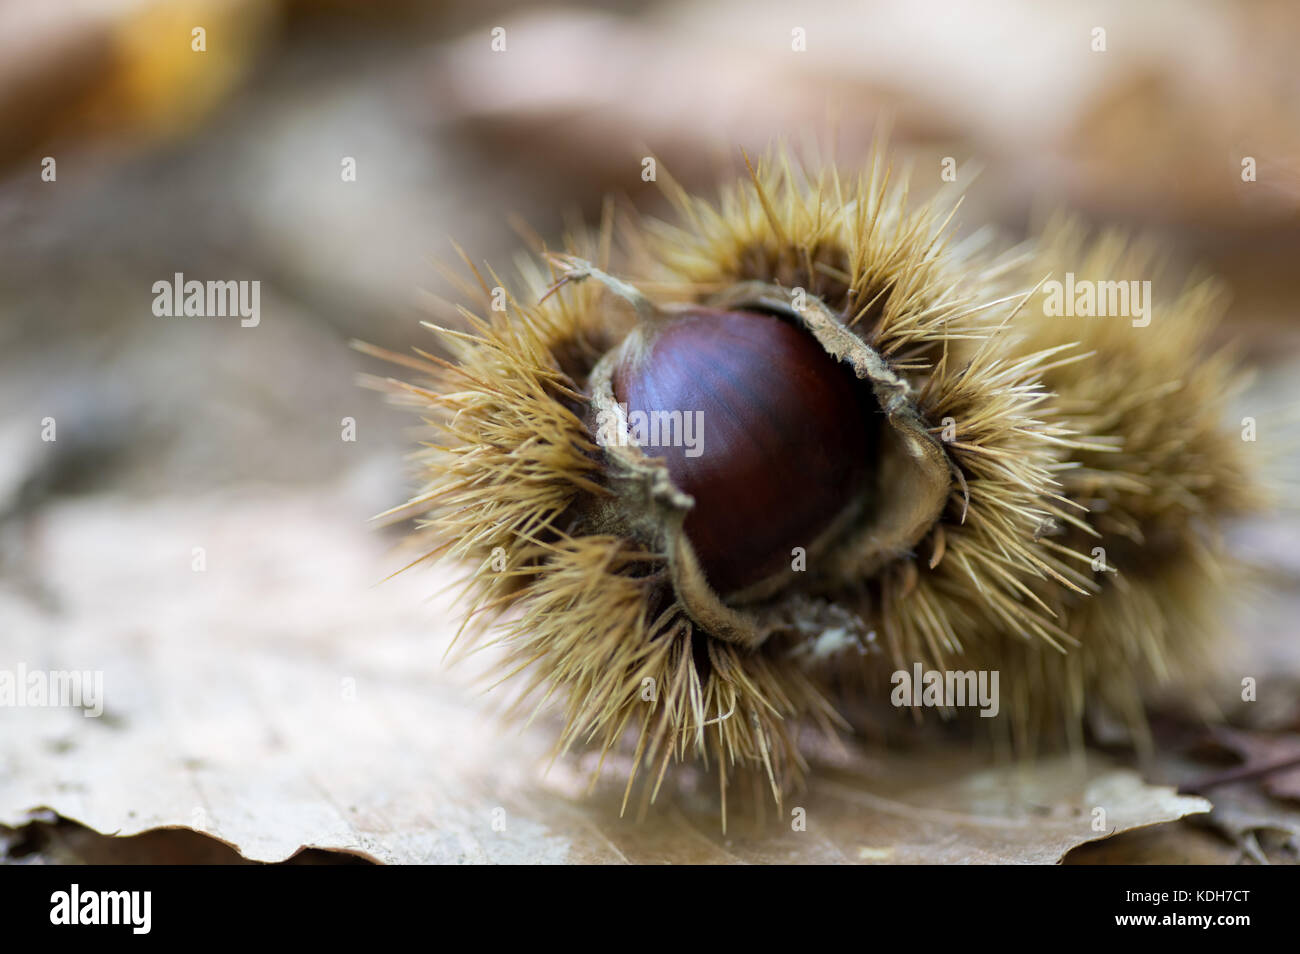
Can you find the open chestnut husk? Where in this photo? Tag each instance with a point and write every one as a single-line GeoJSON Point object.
{"type": "Point", "coordinates": [953, 489]}
{"type": "Point", "coordinates": [746, 440]}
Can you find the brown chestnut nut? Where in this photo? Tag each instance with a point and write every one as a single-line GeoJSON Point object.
{"type": "Point", "coordinates": [769, 434]}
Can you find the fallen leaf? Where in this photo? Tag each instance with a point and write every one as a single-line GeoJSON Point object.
{"type": "Point", "coordinates": [277, 699]}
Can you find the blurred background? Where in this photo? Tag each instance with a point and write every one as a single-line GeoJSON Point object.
{"type": "Point", "coordinates": [227, 164]}
{"type": "Point", "coordinates": [459, 119]}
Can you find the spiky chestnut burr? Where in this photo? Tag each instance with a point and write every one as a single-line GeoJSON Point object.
{"type": "Point", "coordinates": [965, 542]}
{"type": "Point", "coordinates": [784, 469]}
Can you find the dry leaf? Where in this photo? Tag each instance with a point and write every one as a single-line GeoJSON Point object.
{"type": "Point", "coordinates": [278, 699]}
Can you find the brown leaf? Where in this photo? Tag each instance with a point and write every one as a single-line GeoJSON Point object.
{"type": "Point", "coordinates": [279, 700]}
{"type": "Point", "coordinates": [1270, 759]}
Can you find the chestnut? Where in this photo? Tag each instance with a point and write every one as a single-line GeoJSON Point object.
{"type": "Point", "coordinates": [769, 434]}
